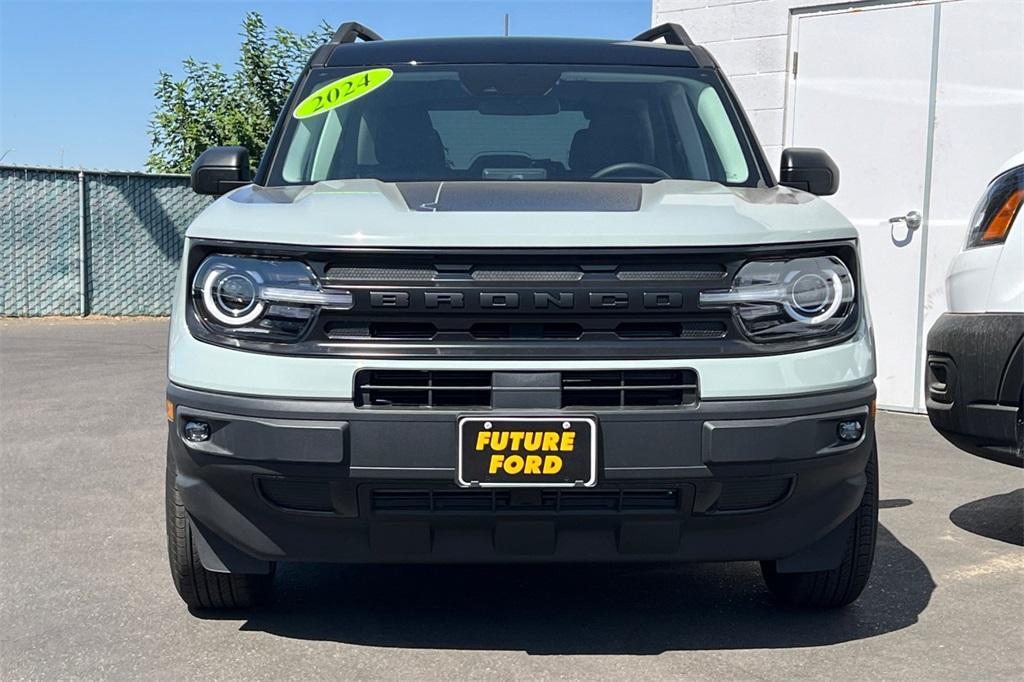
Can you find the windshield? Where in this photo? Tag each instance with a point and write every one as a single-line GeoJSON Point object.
{"type": "Point", "coordinates": [533, 122]}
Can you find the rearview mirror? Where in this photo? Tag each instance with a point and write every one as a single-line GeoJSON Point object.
{"type": "Point", "coordinates": [219, 170]}
{"type": "Point", "coordinates": [809, 169]}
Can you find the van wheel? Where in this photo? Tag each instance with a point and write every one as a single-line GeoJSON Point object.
{"type": "Point", "coordinates": [198, 587]}
{"type": "Point", "coordinates": [841, 585]}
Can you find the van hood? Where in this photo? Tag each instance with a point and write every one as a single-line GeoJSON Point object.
{"type": "Point", "coordinates": [522, 214]}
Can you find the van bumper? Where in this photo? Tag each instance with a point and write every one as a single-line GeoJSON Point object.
{"type": "Point", "coordinates": [306, 480]}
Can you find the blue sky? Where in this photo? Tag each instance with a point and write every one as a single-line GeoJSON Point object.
{"type": "Point", "coordinates": [80, 75]}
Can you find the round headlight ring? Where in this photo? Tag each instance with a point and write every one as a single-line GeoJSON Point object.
{"type": "Point", "coordinates": [235, 294]}
{"type": "Point", "coordinates": [218, 302]}
{"type": "Point", "coordinates": [827, 310]}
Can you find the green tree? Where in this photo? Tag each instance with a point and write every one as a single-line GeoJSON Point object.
{"type": "Point", "coordinates": [209, 106]}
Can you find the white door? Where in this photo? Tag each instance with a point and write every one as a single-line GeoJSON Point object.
{"type": "Point", "coordinates": [919, 104]}
{"type": "Point", "coordinates": [862, 91]}
{"type": "Point", "coordinates": [979, 124]}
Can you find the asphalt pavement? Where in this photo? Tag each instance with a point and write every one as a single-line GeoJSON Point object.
{"type": "Point", "coordinates": [85, 591]}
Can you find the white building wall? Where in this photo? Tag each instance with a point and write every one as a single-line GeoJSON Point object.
{"type": "Point", "coordinates": [975, 111]}
{"type": "Point", "coordinates": [749, 39]}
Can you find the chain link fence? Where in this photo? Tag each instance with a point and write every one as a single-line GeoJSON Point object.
{"type": "Point", "coordinates": [91, 242]}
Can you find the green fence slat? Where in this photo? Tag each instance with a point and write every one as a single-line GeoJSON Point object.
{"type": "Point", "coordinates": [135, 224]}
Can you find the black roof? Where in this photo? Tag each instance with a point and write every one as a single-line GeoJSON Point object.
{"type": "Point", "coordinates": [506, 50]}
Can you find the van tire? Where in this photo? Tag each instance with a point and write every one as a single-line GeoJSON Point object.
{"type": "Point", "coordinates": [841, 585]}
{"type": "Point", "coordinates": [198, 587]}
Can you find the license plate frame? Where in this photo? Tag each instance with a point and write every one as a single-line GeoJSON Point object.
{"type": "Point", "coordinates": [587, 444]}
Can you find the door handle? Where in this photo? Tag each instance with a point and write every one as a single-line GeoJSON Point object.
{"type": "Point", "coordinates": [913, 220]}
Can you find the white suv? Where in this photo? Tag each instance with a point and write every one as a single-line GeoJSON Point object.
{"type": "Point", "coordinates": [976, 350]}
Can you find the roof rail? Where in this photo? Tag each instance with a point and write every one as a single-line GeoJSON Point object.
{"type": "Point", "coordinates": [350, 30]}
{"type": "Point", "coordinates": [347, 33]}
{"type": "Point", "coordinates": [674, 34]}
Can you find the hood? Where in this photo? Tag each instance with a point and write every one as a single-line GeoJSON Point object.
{"type": "Point", "coordinates": [519, 214]}
{"type": "Point", "coordinates": [1012, 162]}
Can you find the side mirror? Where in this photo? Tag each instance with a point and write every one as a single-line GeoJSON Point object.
{"type": "Point", "coordinates": [809, 169]}
{"type": "Point", "coordinates": [220, 169]}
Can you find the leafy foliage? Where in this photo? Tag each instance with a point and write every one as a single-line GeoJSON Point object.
{"type": "Point", "coordinates": [209, 107]}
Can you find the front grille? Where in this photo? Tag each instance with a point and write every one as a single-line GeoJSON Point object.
{"type": "Point", "coordinates": [612, 500]}
{"type": "Point", "coordinates": [516, 304]}
{"type": "Point", "coordinates": [459, 389]}
{"type": "Point", "coordinates": [513, 304]}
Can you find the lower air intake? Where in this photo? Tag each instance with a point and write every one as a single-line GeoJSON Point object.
{"type": "Point", "coordinates": [297, 494]}
{"type": "Point", "coordinates": [612, 500]}
{"type": "Point", "coordinates": [751, 494]}
{"type": "Point", "coordinates": [629, 388]}
{"type": "Point", "coordinates": [459, 389]}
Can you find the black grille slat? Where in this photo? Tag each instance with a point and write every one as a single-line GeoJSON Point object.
{"type": "Point", "coordinates": [695, 273]}
{"type": "Point", "coordinates": [403, 500]}
{"type": "Point", "coordinates": [527, 275]}
{"type": "Point", "coordinates": [461, 330]}
{"type": "Point", "coordinates": [752, 493]}
{"type": "Point", "coordinates": [629, 388]}
{"type": "Point", "coordinates": [649, 500]}
{"type": "Point", "coordinates": [485, 501]}
{"type": "Point", "coordinates": [671, 330]}
{"type": "Point", "coordinates": [472, 389]}
{"type": "Point", "coordinates": [340, 275]}
{"type": "Point", "coordinates": [548, 330]}
{"type": "Point", "coordinates": [423, 388]}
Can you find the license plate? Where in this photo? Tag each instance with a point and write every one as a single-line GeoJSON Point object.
{"type": "Point", "coordinates": [527, 451]}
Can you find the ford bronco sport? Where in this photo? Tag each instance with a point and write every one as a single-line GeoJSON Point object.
{"type": "Point", "coordinates": [519, 300]}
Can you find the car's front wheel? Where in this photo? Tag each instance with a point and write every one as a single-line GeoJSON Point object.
{"type": "Point", "coordinates": [841, 585]}
{"type": "Point", "coordinates": [198, 587]}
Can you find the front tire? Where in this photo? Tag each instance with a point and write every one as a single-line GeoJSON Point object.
{"type": "Point", "coordinates": [198, 587]}
{"type": "Point", "coordinates": [841, 585]}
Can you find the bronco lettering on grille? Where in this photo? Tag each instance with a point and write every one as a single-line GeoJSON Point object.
{"type": "Point", "coordinates": [514, 300]}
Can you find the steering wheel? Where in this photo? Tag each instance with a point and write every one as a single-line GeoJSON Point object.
{"type": "Point", "coordinates": [630, 165]}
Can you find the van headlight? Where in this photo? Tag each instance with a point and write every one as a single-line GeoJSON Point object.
{"type": "Point", "coordinates": [268, 298]}
{"type": "Point", "coordinates": [997, 210]}
{"type": "Point", "coordinates": [788, 299]}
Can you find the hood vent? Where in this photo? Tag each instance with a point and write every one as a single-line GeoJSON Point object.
{"type": "Point", "coordinates": [522, 196]}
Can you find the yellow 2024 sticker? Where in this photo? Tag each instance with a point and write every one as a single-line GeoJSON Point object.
{"type": "Point", "coordinates": [342, 91]}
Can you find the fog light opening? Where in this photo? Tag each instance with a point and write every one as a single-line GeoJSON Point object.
{"type": "Point", "coordinates": [850, 431]}
{"type": "Point", "coordinates": [197, 432]}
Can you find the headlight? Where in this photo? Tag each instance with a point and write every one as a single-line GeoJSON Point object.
{"type": "Point", "coordinates": [277, 299]}
{"type": "Point", "coordinates": [997, 209]}
{"type": "Point", "coordinates": [788, 299]}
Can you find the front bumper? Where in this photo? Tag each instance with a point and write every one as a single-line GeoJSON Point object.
{"type": "Point", "coordinates": [974, 382]}
{"type": "Point", "coordinates": [285, 479]}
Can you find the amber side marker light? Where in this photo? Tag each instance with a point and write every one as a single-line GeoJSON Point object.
{"type": "Point", "coordinates": [169, 406]}
{"type": "Point", "coordinates": [999, 226]}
